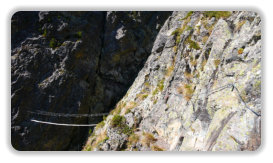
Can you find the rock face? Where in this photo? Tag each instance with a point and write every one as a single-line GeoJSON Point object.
{"type": "Point", "coordinates": [199, 90]}
{"type": "Point", "coordinates": [73, 63]}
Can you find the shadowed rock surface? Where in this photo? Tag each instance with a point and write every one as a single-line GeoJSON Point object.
{"type": "Point", "coordinates": [73, 63]}
{"type": "Point", "coordinates": [199, 90]}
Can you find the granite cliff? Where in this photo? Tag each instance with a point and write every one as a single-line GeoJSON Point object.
{"type": "Point", "coordinates": [199, 90]}
{"type": "Point", "coordinates": [172, 81]}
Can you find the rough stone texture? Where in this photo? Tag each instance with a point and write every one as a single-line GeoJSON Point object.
{"type": "Point", "coordinates": [73, 63]}
{"type": "Point", "coordinates": [182, 99]}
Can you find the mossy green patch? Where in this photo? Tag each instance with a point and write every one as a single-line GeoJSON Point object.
{"type": "Point", "coordinates": [159, 87]}
{"type": "Point", "coordinates": [119, 122]}
{"type": "Point", "coordinates": [44, 33]}
{"type": "Point", "coordinates": [189, 28]}
{"type": "Point", "coordinates": [100, 125]}
{"type": "Point", "coordinates": [189, 14]}
{"type": "Point", "coordinates": [217, 14]}
{"type": "Point", "coordinates": [79, 34]}
{"type": "Point", "coordinates": [179, 31]}
{"type": "Point", "coordinates": [53, 43]}
{"type": "Point", "coordinates": [161, 84]}
{"type": "Point", "coordinates": [142, 96]}
{"type": "Point", "coordinates": [193, 44]}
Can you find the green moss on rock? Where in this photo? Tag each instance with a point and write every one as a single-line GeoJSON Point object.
{"type": "Point", "coordinates": [217, 14]}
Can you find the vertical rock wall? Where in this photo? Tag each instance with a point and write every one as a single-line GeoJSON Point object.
{"type": "Point", "coordinates": [73, 63]}
{"type": "Point", "coordinates": [199, 90]}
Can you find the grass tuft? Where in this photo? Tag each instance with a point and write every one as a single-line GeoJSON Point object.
{"type": "Point", "coordinates": [216, 62]}
{"type": "Point", "coordinates": [132, 140]}
{"type": "Point", "coordinates": [239, 25]}
{"type": "Point", "coordinates": [100, 125]}
{"type": "Point", "coordinates": [119, 121]}
{"type": "Point", "coordinates": [156, 148]}
{"type": "Point", "coordinates": [186, 90]}
{"type": "Point", "coordinates": [148, 139]}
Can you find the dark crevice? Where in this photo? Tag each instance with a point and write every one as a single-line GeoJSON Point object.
{"type": "Point", "coordinates": [102, 43]}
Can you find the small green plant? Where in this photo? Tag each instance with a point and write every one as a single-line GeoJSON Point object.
{"type": "Point", "coordinates": [44, 33]}
{"type": "Point", "coordinates": [177, 31]}
{"type": "Point", "coordinates": [155, 91]}
{"type": "Point", "coordinates": [144, 96]}
{"type": "Point", "coordinates": [217, 14]}
{"type": "Point", "coordinates": [194, 45]}
{"type": "Point", "coordinates": [79, 34]}
{"type": "Point", "coordinates": [90, 131]}
{"type": "Point", "coordinates": [127, 130]}
{"type": "Point", "coordinates": [159, 87]}
{"type": "Point", "coordinates": [53, 43]}
{"type": "Point", "coordinates": [119, 121]}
